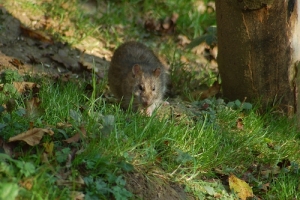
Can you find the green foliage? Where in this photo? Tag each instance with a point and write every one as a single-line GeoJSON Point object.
{"type": "Point", "coordinates": [210, 38]}
{"type": "Point", "coordinates": [24, 168]}
{"type": "Point", "coordinates": [119, 141]}
{"type": "Point", "coordinates": [98, 188]}
{"type": "Point", "coordinates": [195, 147]}
{"type": "Point", "coordinates": [9, 76]}
{"type": "Point", "coordinates": [8, 191]}
{"type": "Point", "coordinates": [62, 156]}
{"type": "Point", "coordinates": [238, 105]}
{"type": "Point", "coordinates": [13, 122]}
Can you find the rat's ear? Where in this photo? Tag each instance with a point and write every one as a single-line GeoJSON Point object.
{"type": "Point", "coordinates": [136, 70]}
{"type": "Point", "coordinates": [156, 72]}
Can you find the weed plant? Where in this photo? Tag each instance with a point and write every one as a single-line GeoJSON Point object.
{"type": "Point", "coordinates": [121, 141]}
{"type": "Point", "coordinates": [225, 138]}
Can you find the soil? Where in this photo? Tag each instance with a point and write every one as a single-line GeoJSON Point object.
{"type": "Point", "coordinates": [54, 59]}
{"type": "Point", "coordinates": [33, 52]}
{"type": "Point", "coordinates": [154, 189]}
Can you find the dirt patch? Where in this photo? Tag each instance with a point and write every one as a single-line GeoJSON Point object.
{"type": "Point", "coordinates": [151, 188]}
{"type": "Point", "coordinates": [39, 57]}
{"type": "Point", "coordinates": [31, 56]}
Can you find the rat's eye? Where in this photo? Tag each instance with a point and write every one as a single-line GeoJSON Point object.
{"type": "Point", "coordinates": [141, 87]}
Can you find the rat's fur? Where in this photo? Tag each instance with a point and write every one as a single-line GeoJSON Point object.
{"type": "Point", "coordinates": [136, 74]}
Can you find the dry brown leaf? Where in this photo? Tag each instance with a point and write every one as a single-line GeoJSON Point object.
{"type": "Point", "coordinates": [6, 147]}
{"type": "Point", "coordinates": [32, 107]}
{"type": "Point", "coordinates": [212, 91]}
{"type": "Point", "coordinates": [165, 26]}
{"type": "Point", "coordinates": [37, 35]}
{"type": "Point", "coordinates": [63, 125]}
{"type": "Point", "coordinates": [77, 136]}
{"type": "Point", "coordinates": [76, 195]}
{"type": "Point", "coordinates": [78, 182]}
{"type": "Point", "coordinates": [15, 62]}
{"type": "Point", "coordinates": [183, 40]}
{"type": "Point", "coordinates": [239, 124]}
{"type": "Point", "coordinates": [242, 188]}
{"type": "Point", "coordinates": [23, 86]}
{"type": "Point", "coordinates": [32, 136]}
{"type": "Point", "coordinates": [27, 183]}
{"type": "Point", "coordinates": [74, 138]}
{"type": "Point", "coordinates": [69, 33]}
{"type": "Point", "coordinates": [31, 125]}
{"type": "Point", "coordinates": [214, 52]}
{"type": "Point", "coordinates": [265, 187]}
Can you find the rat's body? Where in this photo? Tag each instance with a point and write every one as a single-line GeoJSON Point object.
{"type": "Point", "coordinates": [136, 74]}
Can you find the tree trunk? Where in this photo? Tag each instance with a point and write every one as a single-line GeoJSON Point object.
{"type": "Point", "coordinates": [259, 51]}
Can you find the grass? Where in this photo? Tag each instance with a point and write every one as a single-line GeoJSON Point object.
{"type": "Point", "coordinates": [185, 153]}
{"type": "Point", "coordinates": [197, 148]}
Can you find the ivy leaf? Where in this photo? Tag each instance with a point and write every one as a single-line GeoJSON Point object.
{"type": "Point", "coordinates": [247, 106]}
{"type": "Point", "coordinates": [183, 157]}
{"type": "Point", "coordinates": [126, 166]}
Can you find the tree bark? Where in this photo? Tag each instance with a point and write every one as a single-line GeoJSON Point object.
{"type": "Point", "coordinates": [259, 51]}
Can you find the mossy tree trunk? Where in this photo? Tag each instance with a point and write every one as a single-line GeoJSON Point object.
{"type": "Point", "coordinates": [259, 51]}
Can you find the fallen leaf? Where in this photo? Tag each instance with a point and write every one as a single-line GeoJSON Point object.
{"type": "Point", "coordinates": [239, 124]}
{"type": "Point", "coordinates": [265, 187]}
{"type": "Point", "coordinates": [27, 183]}
{"type": "Point", "coordinates": [239, 186]}
{"type": "Point", "coordinates": [37, 35]}
{"type": "Point", "coordinates": [212, 91]}
{"type": "Point", "coordinates": [77, 136]}
{"type": "Point", "coordinates": [7, 148]}
{"type": "Point", "coordinates": [32, 107]}
{"type": "Point", "coordinates": [15, 62]}
{"type": "Point", "coordinates": [32, 136]}
{"type": "Point", "coordinates": [73, 139]}
{"type": "Point", "coordinates": [76, 195]}
{"type": "Point", "coordinates": [63, 125]}
{"type": "Point", "coordinates": [78, 182]}
{"type": "Point", "coordinates": [49, 147]}
{"type": "Point", "coordinates": [162, 26]}
{"type": "Point", "coordinates": [31, 125]}
{"type": "Point", "coordinates": [69, 33]}
{"type": "Point", "coordinates": [183, 40]}
{"type": "Point", "coordinates": [24, 86]}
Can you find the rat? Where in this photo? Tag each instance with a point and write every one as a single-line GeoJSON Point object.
{"type": "Point", "coordinates": [137, 77]}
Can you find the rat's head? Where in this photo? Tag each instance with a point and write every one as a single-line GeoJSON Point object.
{"type": "Point", "coordinates": [147, 87]}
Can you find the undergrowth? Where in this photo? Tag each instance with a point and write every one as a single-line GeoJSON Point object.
{"type": "Point", "coordinates": [118, 142]}
{"type": "Point", "coordinates": [197, 148]}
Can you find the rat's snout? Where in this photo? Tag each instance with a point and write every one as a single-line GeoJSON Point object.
{"type": "Point", "coordinates": [146, 102]}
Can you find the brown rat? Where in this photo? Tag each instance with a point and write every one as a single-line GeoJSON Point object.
{"type": "Point", "coordinates": [136, 74]}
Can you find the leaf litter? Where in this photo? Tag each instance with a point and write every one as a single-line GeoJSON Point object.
{"type": "Point", "coordinates": [60, 61]}
{"type": "Point", "coordinates": [32, 136]}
